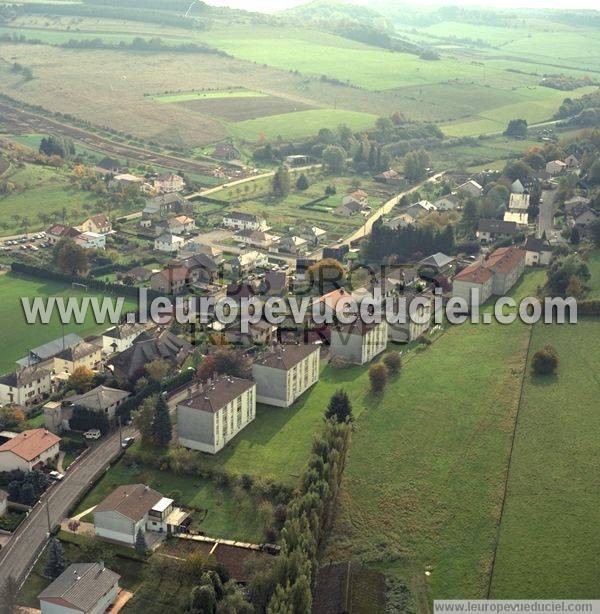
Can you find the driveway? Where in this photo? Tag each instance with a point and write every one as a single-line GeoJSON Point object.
{"type": "Point", "coordinates": [546, 216]}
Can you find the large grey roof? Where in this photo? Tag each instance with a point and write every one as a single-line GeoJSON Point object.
{"type": "Point", "coordinates": [214, 395]}
{"type": "Point", "coordinates": [81, 585]}
{"type": "Point", "coordinates": [100, 397]}
{"type": "Point", "coordinates": [50, 349]}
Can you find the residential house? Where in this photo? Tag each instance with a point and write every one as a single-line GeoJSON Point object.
{"type": "Point", "coordinates": [128, 366]}
{"type": "Point", "coordinates": [100, 224]}
{"type": "Point", "coordinates": [293, 245]}
{"type": "Point", "coordinates": [507, 264]}
{"type": "Point", "coordinates": [582, 221]}
{"type": "Point", "coordinates": [57, 416]}
{"type": "Point", "coordinates": [449, 202]}
{"type": "Point", "coordinates": [537, 251]}
{"type": "Point", "coordinates": [3, 502]}
{"type": "Point", "coordinates": [215, 412]}
{"type": "Point", "coordinates": [194, 246]}
{"type": "Point", "coordinates": [439, 262]}
{"type": "Point", "coordinates": [29, 450]}
{"type": "Point", "coordinates": [83, 354]}
{"type": "Point", "coordinates": [389, 177]}
{"type": "Point", "coordinates": [179, 225]}
{"type": "Point", "coordinates": [518, 203]}
{"type": "Point", "coordinates": [253, 333]}
{"type": "Point", "coordinates": [573, 204]}
{"type": "Point", "coordinates": [246, 262]}
{"type": "Point", "coordinates": [419, 209]}
{"type": "Point", "coordinates": [167, 183]}
{"type": "Point", "coordinates": [59, 231]}
{"type": "Point", "coordinates": [171, 280]}
{"type": "Point", "coordinates": [83, 588]}
{"type": "Point", "coordinates": [256, 238]}
{"type": "Point", "coordinates": [474, 278]}
{"type": "Point", "coordinates": [135, 507]}
{"type": "Point", "coordinates": [356, 196]}
{"type": "Point", "coordinates": [296, 160]}
{"type": "Point", "coordinates": [201, 268]}
{"type": "Point", "coordinates": [274, 283]}
{"type": "Point", "coordinates": [101, 399]}
{"type": "Point", "coordinates": [495, 275]}
{"type": "Point", "coordinates": [555, 167]}
{"type": "Point", "coordinates": [43, 355]}
{"type": "Point", "coordinates": [519, 218]}
{"type": "Point", "coordinates": [350, 208]}
{"type": "Point", "coordinates": [285, 372]}
{"type": "Point", "coordinates": [163, 206]}
{"type": "Point", "coordinates": [415, 311]}
{"type": "Point", "coordinates": [26, 387]}
{"type": "Point", "coordinates": [492, 230]}
{"type": "Point", "coordinates": [470, 187]}
{"type": "Point", "coordinates": [359, 342]}
{"type": "Point", "coordinates": [120, 338]}
{"type": "Point", "coordinates": [91, 240]}
{"type": "Point", "coordinates": [401, 221]}
{"type": "Point", "coordinates": [394, 279]}
{"type": "Point", "coordinates": [244, 221]}
{"type": "Point", "coordinates": [314, 235]}
{"type": "Point", "coordinates": [571, 161]}
{"type": "Point", "coordinates": [169, 243]}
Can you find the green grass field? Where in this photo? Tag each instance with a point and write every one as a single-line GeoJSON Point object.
{"type": "Point", "coordinates": [551, 521]}
{"type": "Point", "coordinates": [208, 95]}
{"type": "Point", "coordinates": [226, 516]}
{"type": "Point", "coordinates": [426, 468]}
{"type": "Point", "coordinates": [41, 191]}
{"type": "Point", "coordinates": [300, 124]}
{"type": "Point", "coordinates": [19, 337]}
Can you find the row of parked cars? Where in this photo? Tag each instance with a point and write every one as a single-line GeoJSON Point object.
{"type": "Point", "coordinates": [28, 242]}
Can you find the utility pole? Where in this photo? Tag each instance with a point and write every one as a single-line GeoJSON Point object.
{"type": "Point", "coordinates": [120, 433]}
{"type": "Point", "coordinates": [48, 516]}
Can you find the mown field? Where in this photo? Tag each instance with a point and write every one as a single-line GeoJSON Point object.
{"type": "Point", "coordinates": [18, 337]}
{"type": "Point", "coordinates": [551, 521]}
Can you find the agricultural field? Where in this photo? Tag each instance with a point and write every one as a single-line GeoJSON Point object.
{"type": "Point", "coordinates": [424, 478]}
{"type": "Point", "coordinates": [20, 336]}
{"type": "Point", "coordinates": [218, 511]}
{"type": "Point", "coordinates": [552, 495]}
{"type": "Point", "coordinates": [40, 194]}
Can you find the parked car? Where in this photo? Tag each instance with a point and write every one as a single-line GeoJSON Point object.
{"type": "Point", "coordinates": [56, 476]}
{"type": "Point", "coordinates": [92, 434]}
{"type": "Point", "coordinates": [127, 442]}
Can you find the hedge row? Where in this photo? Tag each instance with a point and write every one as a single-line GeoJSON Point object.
{"type": "Point", "coordinates": [313, 202]}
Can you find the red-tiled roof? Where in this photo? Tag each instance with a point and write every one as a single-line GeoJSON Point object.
{"type": "Point", "coordinates": [30, 444]}
{"type": "Point", "coordinates": [475, 273]}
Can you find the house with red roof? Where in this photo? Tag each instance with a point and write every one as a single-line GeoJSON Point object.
{"type": "Point", "coordinates": [29, 450]}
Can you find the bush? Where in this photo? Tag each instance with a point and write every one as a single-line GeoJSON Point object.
{"type": "Point", "coordinates": [545, 361]}
{"type": "Point", "coordinates": [339, 362]}
{"type": "Point", "coordinates": [424, 340]}
{"type": "Point", "coordinates": [378, 374]}
{"type": "Point", "coordinates": [393, 362]}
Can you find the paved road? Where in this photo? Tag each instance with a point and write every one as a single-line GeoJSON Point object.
{"type": "Point", "coordinates": [18, 555]}
{"type": "Point", "coordinates": [546, 216]}
{"type": "Point", "coordinates": [365, 229]}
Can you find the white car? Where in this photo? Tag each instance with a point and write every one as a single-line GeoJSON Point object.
{"type": "Point", "coordinates": [56, 476]}
{"type": "Point", "coordinates": [127, 442]}
{"type": "Point", "coordinates": [92, 434]}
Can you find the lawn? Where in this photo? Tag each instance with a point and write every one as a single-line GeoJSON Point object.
{"type": "Point", "coordinates": [20, 336]}
{"type": "Point", "coordinates": [593, 284]}
{"type": "Point", "coordinates": [425, 472]}
{"type": "Point", "coordinates": [300, 123]}
{"type": "Point", "coordinates": [41, 191]}
{"type": "Point", "coordinates": [551, 522]}
{"type": "Point", "coordinates": [226, 515]}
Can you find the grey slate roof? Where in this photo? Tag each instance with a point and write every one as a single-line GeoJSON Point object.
{"type": "Point", "coordinates": [24, 377]}
{"type": "Point", "coordinates": [286, 356]}
{"type": "Point", "coordinates": [81, 585]}
{"type": "Point", "coordinates": [50, 349]}
{"type": "Point", "coordinates": [100, 398]}
{"type": "Point", "coordinates": [497, 227]}
{"type": "Point", "coordinates": [438, 260]}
